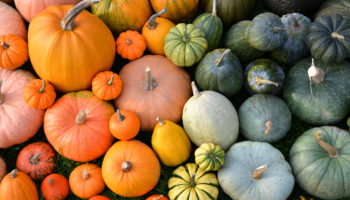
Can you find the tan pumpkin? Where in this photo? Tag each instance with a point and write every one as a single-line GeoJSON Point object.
{"type": "Point", "coordinates": [2, 168]}
{"type": "Point", "coordinates": [11, 22]}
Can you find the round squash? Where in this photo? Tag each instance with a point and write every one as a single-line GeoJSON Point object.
{"type": "Point", "coordinates": [331, 7]}
{"type": "Point", "coordinates": [2, 168]}
{"type": "Point", "coordinates": [13, 51]}
{"type": "Point", "coordinates": [178, 10]}
{"type": "Point", "coordinates": [106, 85]}
{"type": "Point", "coordinates": [209, 157]}
{"type": "Point", "coordinates": [157, 197]}
{"type": "Point", "coordinates": [55, 187]}
{"type": "Point", "coordinates": [130, 45]}
{"type": "Point", "coordinates": [124, 124]}
{"type": "Point", "coordinates": [99, 197]}
{"type": "Point", "coordinates": [11, 22]}
{"type": "Point", "coordinates": [39, 94]}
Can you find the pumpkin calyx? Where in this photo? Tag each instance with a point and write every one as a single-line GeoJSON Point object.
{"type": "Point", "coordinates": [268, 125]}
{"type": "Point", "coordinates": [120, 116]}
{"type": "Point", "coordinates": [4, 45]}
{"type": "Point", "coordinates": [257, 173]}
{"type": "Point", "coordinates": [85, 175]}
{"type": "Point", "coordinates": [195, 90]}
{"type": "Point", "coordinates": [315, 74]}
{"type": "Point", "coordinates": [193, 182]}
{"type": "Point", "coordinates": [259, 81]}
{"type": "Point", "coordinates": [336, 35]}
{"type": "Point", "coordinates": [214, 8]}
{"type": "Point", "coordinates": [332, 151]}
{"type": "Point", "coordinates": [81, 117]}
{"type": "Point", "coordinates": [218, 60]}
{"type": "Point", "coordinates": [41, 90]}
{"type": "Point", "coordinates": [149, 82]}
{"type": "Point", "coordinates": [67, 23]}
{"type": "Point", "coordinates": [13, 173]}
{"type": "Point", "coordinates": [161, 122]}
{"type": "Point", "coordinates": [34, 160]}
{"type": "Point", "coordinates": [126, 166]}
{"type": "Point", "coordinates": [109, 83]}
{"type": "Point", "coordinates": [50, 181]}
{"type": "Point", "coordinates": [152, 24]}
{"type": "Point", "coordinates": [2, 96]}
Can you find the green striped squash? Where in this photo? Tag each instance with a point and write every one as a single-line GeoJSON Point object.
{"type": "Point", "coordinates": [209, 157]}
{"type": "Point", "coordinates": [192, 183]}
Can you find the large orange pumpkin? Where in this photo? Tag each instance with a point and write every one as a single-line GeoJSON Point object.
{"type": "Point", "coordinates": [77, 126]}
{"type": "Point", "coordinates": [178, 10]}
{"type": "Point", "coordinates": [2, 168]}
{"type": "Point", "coordinates": [11, 22]}
{"type": "Point", "coordinates": [160, 92]}
{"type": "Point", "coordinates": [69, 48]}
{"type": "Point", "coordinates": [130, 168]}
{"type": "Point", "coordinates": [19, 122]}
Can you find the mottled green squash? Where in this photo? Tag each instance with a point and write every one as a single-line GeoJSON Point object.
{"type": "Point", "coordinates": [331, 7]}
{"type": "Point", "coordinates": [209, 157]}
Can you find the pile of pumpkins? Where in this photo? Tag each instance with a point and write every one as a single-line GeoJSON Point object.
{"type": "Point", "coordinates": [73, 50]}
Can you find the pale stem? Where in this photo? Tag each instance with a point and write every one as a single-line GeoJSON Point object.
{"type": "Point", "coordinates": [158, 197]}
{"type": "Point", "coordinates": [120, 116]}
{"type": "Point", "coordinates": [5, 45]}
{"type": "Point", "coordinates": [194, 90]}
{"type": "Point", "coordinates": [257, 173]}
{"type": "Point", "coordinates": [128, 42]}
{"type": "Point", "coordinates": [13, 173]}
{"type": "Point", "coordinates": [81, 117]}
{"type": "Point", "coordinates": [149, 83]}
{"type": "Point", "coordinates": [35, 159]}
{"type": "Point", "coordinates": [268, 126]}
{"type": "Point", "coordinates": [336, 35]}
{"type": "Point", "coordinates": [110, 81]}
{"type": "Point", "coordinates": [161, 122]}
{"type": "Point", "coordinates": [126, 166]}
{"type": "Point", "coordinates": [41, 90]}
{"type": "Point", "coordinates": [258, 80]}
{"type": "Point", "coordinates": [214, 7]}
{"type": "Point", "coordinates": [152, 24]}
{"type": "Point", "coordinates": [332, 151]}
{"type": "Point", "coordinates": [85, 175]}
{"type": "Point", "coordinates": [315, 73]}
{"type": "Point", "coordinates": [218, 60]}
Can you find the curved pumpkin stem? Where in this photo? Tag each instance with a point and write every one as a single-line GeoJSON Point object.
{"type": "Point", "coordinates": [315, 74]}
{"type": "Point", "coordinates": [214, 7]}
{"type": "Point", "coordinates": [81, 117]}
{"type": "Point", "coordinates": [332, 151]}
{"type": "Point", "coordinates": [2, 96]}
{"type": "Point", "coordinates": [161, 122]}
{"type": "Point", "coordinates": [86, 175]}
{"type": "Point", "coordinates": [126, 166]}
{"type": "Point", "coordinates": [152, 24]}
{"type": "Point", "coordinates": [258, 80]}
{"type": "Point", "coordinates": [194, 90]}
{"type": "Point", "coordinates": [110, 81]}
{"type": "Point", "coordinates": [41, 90]}
{"type": "Point", "coordinates": [149, 83]}
{"type": "Point", "coordinates": [13, 173]}
{"type": "Point", "coordinates": [35, 159]}
{"type": "Point", "coordinates": [4, 45]}
{"type": "Point", "coordinates": [257, 173]}
{"type": "Point", "coordinates": [218, 61]}
{"type": "Point", "coordinates": [336, 35]}
{"type": "Point", "coordinates": [120, 116]}
{"type": "Point", "coordinates": [268, 125]}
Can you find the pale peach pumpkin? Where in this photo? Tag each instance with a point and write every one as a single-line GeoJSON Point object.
{"type": "Point", "coordinates": [11, 22]}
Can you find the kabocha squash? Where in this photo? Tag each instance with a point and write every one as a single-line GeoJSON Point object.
{"type": "Point", "coordinates": [55, 187]}
{"type": "Point", "coordinates": [99, 197]}
{"type": "Point", "coordinates": [13, 51]}
{"type": "Point", "coordinates": [191, 182]}
{"type": "Point", "coordinates": [221, 71]}
{"type": "Point", "coordinates": [185, 44]}
{"type": "Point", "coordinates": [66, 43]}
{"type": "Point", "coordinates": [130, 168]}
{"type": "Point", "coordinates": [2, 168]}
{"type": "Point", "coordinates": [318, 93]}
{"type": "Point", "coordinates": [106, 85]}
{"type": "Point", "coordinates": [11, 22]}
{"type": "Point", "coordinates": [157, 197]}
{"type": "Point", "coordinates": [77, 126]}
{"type": "Point", "coordinates": [39, 94]}
{"type": "Point", "coordinates": [331, 7]}
{"type": "Point", "coordinates": [209, 116]}
{"type": "Point", "coordinates": [124, 124]}
{"type": "Point", "coordinates": [153, 87]}
{"type": "Point", "coordinates": [264, 118]}
{"type": "Point", "coordinates": [329, 38]}
{"type": "Point", "coordinates": [19, 122]}
{"type": "Point", "coordinates": [319, 159]}
{"type": "Point", "coordinates": [130, 45]}
{"type": "Point", "coordinates": [251, 167]}
{"type": "Point", "coordinates": [209, 157]}
{"type": "Point", "coordinates": [170, 143]}
{"type": "Point", "coordinates": [178, 10]}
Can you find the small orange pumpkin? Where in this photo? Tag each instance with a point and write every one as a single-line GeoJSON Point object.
{"type": "Point", "coordinates": [99, 197]}
{"type": "Point", "coordinates": [124, 124]}
{"type": "Point", "coordinates": [13, 51]}
{"type": "Point", "coordinates": [107, 85]}
{"type": "Point", "coordinates": [55, 187]}
{"type": "Point", "coordinates": [131, 45]}
{"type": "Point", "coordinates": [157, 197]}
{"type": "Point", "coordinates": [39, 94]}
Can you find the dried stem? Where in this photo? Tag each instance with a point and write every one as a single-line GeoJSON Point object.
{"type": "Point", "coordinates": [257, 173]}
{"type": "Point", "coordinates": [152, 24]}
{"type": "Point", "coordinates": [268, 125]}
{"type": "Point", "coordinates": [161, 122]}
{"type": "Point", "coordinates": [218, 60]}
{"type": "Point", "coordinates": [332, 151]}
{"type": "Point", "coordinates": [81, 117]}
{"type": "Point", "coordinates": [126, 166]}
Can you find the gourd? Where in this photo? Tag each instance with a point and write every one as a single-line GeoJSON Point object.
{"type": "Point", "coordinates": [130, 45]}
{"type": "Point", "coordinates": [106, 85]}
{"type": "Point", "coordinates": [39, 94]}
{"type": "Point", "coordinates": [55, 187]}
{"type": "Point", "coordinates": [13, 51]}
{"type": "Point", "coordinates": [124, 124]}
{"type": "Point", "coordinates": [330, 7]}
{"type": "Point", "coordinates": [2, 168]}
{"type": "Point", "coordinates": [177, 10]}
{"type": "Point", "coordinates": [11, 22]}
{"type": "Point", "coordinates": [209, 157]}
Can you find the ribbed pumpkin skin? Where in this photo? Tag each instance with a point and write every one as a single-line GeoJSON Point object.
{"type": "Point", "coordinates": [330, 101]}
{"type": "Point", "coordinates": [326, 46]}
{"type": "Point", "coordinates": [177, 10]}
{"type": "Point", "coordinates": [209, 156]}
{"type": "Point", "coordinates": [225, 77]}
{"type": "Point", "coordinates": [331, 7]}
{"type": "Point", "coordinates": [13, 51]}
{"type": "Point", "coordinates": [315, 171]}
{"type": "Point", "coordinates": [11, 22]}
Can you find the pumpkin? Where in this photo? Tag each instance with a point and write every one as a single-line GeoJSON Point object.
{"type": "Point", "coordinates": [2, 168]}
{"type": "Point", "coordinates": [250, 167]}
{"type": "Point", "coordinates": [166, 88]}
{"type": "Point", "coordinates": [328, 38]}
{"type": "Point", "coordinates": [319, 159]}
{"type": "Point", "coordinates": [77, 126]}
{"type": "Point", "coordinates": [209, 156]}
{"type": "Point", "coordinates": [331, 7]}
{"type": "Point", "coordinates": [86, 180]}
{"type": "Point", "coordinates": [157, 197]}
{"type": "Point", "coordinates": [154, 32]}
{"type": "Point", "coordinates": [55, 187]}
{"type": "Point", "coordinates": [266, 32]}
{"type": "Point", "coordinates": [130, 168]}
{"type": "Point", "coordinates": [191, 182]}
{"type": "Point", "coordinates": [30, 8]}
{"type": "Point", "coordinates": [66, 43]}
{"type": "Point", "coordinates": [18, 186]}
{"type": "Point", "coordinates": [7, 1]}
{"type": "Point", "coordinates": [11, 22]}
{"type": "Point", "coordinates": [37, 160]}
{"type": "Point", "coordinates": [170, 143]}
{"type": "Point", "coordinates": [236, 39]}
{"type": "Point", "coordinates": [99, 197]}
{"type": "Point", "coordinates": [185, 44]}
{"type": "Point", "coordinates": [106, 85]}
{"type": "Point", "coordinates": [209, 116]}
{"type": "Point", "coordinates": [264, 118]}
{"type": "Point", "coordinates": [124, 124]}
{"type": "Point", "coordinates": [39, 94]}
{"type": "Point", "coordinates": [177, 10]}
{"type": "Point", "coordinates": [318, 93]}
{"type": "Point", "coordinates": [13, 51]}
{"type": "Point", "coordinates": [19, 122]}
{"type": "Point", "coordinates": [221, 71]}
{"type": "Point", "coordinates": [131, 45]}
{"type": "Point", "coordinates": [120, 15]}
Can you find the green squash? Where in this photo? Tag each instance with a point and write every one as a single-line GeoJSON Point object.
{"type": "Point", "coordinates": [282, 7]}
{"type": "Point", "coordinates": [329, 38]}
{"type": "Point", "coordinates": [209, 157]}
{"type": "Point", "coordinates": [185, 44]}
{"type": "Point", "coordinates": [318, 95]}
{"type": "Point", "coordinates": [320, 162]}
{"type": "Point", "coordinates": [331, 7]}
{"type": "Point", "coordinates": [264, 118]}
{"type": "Point", "coordinates": [266, 32]}
{"type": "Point", "coordinates": [237, 40]}
{"type": "Point", "coordinates": [221, 71]}
{"type": "Point", "coordinates": [256, 171]}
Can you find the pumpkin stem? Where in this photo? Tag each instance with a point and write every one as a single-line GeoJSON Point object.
{"type": "Point", "coordinates": [67, 23]}
{"type": "Point", "coordinates": [257, 173]}
{"type": "Point", "coordinates": [158, 197]}
{"type": "Point", "coordinates": [152, 24]}
{"type": "Point", "coordinates": [4, 45]}
{"type": "Point", "coordinates": [128, 42]}
{"type": "Point", "coordinates": [120, 116]}
{"type": "Point", "coordinates": [218, 60]}
{"type": "Point", "coordinates": [81, 117]}
{"type": "Point", "coordinates": [214, 8]}
{"type": "Point", "coordinates": [268, 125]}
{"type": "Point", "coordinates": [126, 166]}
{"type": "Point", "coordinates": [13, 173]}
{"type": "Point", "coordinates": [332, 151]}
{"type": "Point", "coordinates": [161, 122]}
{"type": "Point", "coordinates": [2, 96]}
{"type": "Point", "coordinates": [50, 181]}
{"type": "Point", "coordinates": [193, 182]}
{"type": "Point", "coordinates": [86, 175]}
{"type": "Point", "coordinates": [41, 90]}
{"type": "Point", "coordinates": [149, 83]}
{"type": "Point", "coordinates": [185, 35]}
{"type": "Point", "coordinates": [194, 90]}
{"type": "Point", "coordinates": [259, 81]}
{"type": "Point", "coordinates": [315, 73]}
{"type": "Point", "coordinates": [110, 81]}
{"type": "Point", "coordinates": [296, 24]}
{"type": "Point", "coordinates": [35, 159]}
{"type": "Point", "coordinates": [336, 35]}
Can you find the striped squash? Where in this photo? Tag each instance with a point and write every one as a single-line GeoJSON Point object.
{"type": "Point", "coordinates": [177, 10]}
{"type": "Point", "coordinates": [209, 156]}
{"type": "Point", "coordinates": [193, 183]}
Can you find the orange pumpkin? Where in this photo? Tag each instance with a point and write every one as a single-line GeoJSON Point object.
{"type": "Point", "coordinates": [39, 94]}
{"type": "Point", "coordinates": [69, 48]}
{"type": "Point", "coordinates": [55, 187]}
{"type": "Point", "coordinates": [124, 125]}
{"type": "Point", "coordinates": [130, 168]}
{"type": "Point", "coordinates": [157, 197]}
{"type": "Point", "coordinates": [11, 22]}
{"type": "Point", "coordinates": [99, 197]}
{"type": "Point", "coordinates": [86, 180]}
{"type": "Point", "coordinates": [178, 10]}
{"type": "Point", "coordinates": [131, 45]}
{"type": "Point", "coordinates": [166, 88]}
{"type": "Point", "coordinates": [77, 126]}
{"type": "Point", "coordinates": [13, 51]}
{"type": "Point", "coordinates": [107, 85]}
{"type": "Point", "coordinates": [2, 168]}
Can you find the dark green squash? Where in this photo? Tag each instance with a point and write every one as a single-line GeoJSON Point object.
{"type": "Point", "coordinates": [331, 7]}
{"type": "Point", "coordinates": [221, 71]}
{"type": "Point", "coordinates": [283, 7]}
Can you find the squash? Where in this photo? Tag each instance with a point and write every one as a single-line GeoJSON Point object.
{"type": "Point", "coordinates": [318, 93]}
{"type": "Point", "coordinates": [282, 7]}
{"type": "Point", "coordinates": [331, 7]}
{"type": "Point", "coordinates": [130, 168]}
{"type": "Point", "coordinates": [252, 166]}
{"type": "Point", "coordinates": [77, 126]}
{"type": "Point", "coordinates": [16, 127]}
{"type": "Point", "coordinates": [99, 197]}
{"type": "Point", "coordinates": [13, 51]}
{"type": "Point", "coordinates": [39, 94]}
{"type": "Point", "coordinates": [124, 124]}
{"type": "Point", "coordinates": [106, 85]}
{"type": "Point", "coordinates": [209, 157]}
{"type": "Point", "coordinates": [328, 38]}
{"type": "Point", "coordinates": [11, 22]}
{"type": "Point", "coordinates": [166, 88]}
{"type": "Point", "coordinates": [177, 10]}
{"type": "Point", "coordinates": [221, 71]}
{"type": "Point", "coordinates": [2, 168]}
{"type": "Point", "coordinates": [157, 197]}
{"type": "Point", "coordinates": [319, 159]}
{"type": "Point", "coordinates": [264, 118]}
{"type": "Point", "coordinates": [55, 187]}
{"type": "Point", "coordinates": [65, 45]}
{"type": "Point", "coordinates": [191, 182]}
{"type": "Point", "coordinates": [185, 44]}
{"type": "Point", "coordinates": [130, 45]}
{"type": "Point", "coordinates": [170, 143]}
{"type": "Point", "coordinates": [209, 116]}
